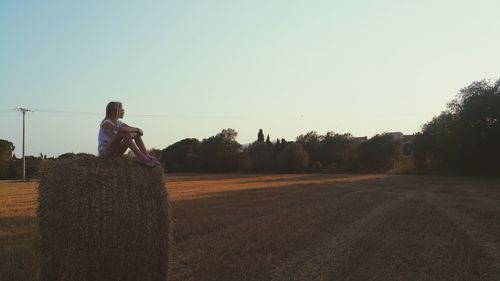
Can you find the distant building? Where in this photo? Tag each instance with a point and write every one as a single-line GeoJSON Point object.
{"type": "Point", "coordinates": [396, 135]}
{"type": "Point", "coordinates": [359, 140]}
{"type": "Point", "coordinates": [409, 138]}
{"type": "Point", "coordinates": [406, 140]}
{"type": "Point", "coordinates": [408, 144]}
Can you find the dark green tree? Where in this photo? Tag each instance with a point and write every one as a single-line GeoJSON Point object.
{"type": "Point", "coordinates": [270, 146]}
{"type": "Point", "coordinates": [32, 167]}
{"type": "Point", "coordinates": [293, 159]}
{"type": "Point", "coordinates": [278, 147]}
{"type": "Point", "coordinates": [221, 153]}
{"type": "Point", "coordinates": [6, 149]}
{"type": "Point", "coordinates": [260, 158]}
{"type": "Point", "coordinates": [379, 153]}
{"type": "Point", "coordinates": [477, 109]}
{"type": "Point", "coordinates": [337, 152]}
{"type": "Point", "coordinates": [464, 139]}
{"type": "Point", "coordinates": [311, 144]}
{"type": "Point", "coordinates": [260, 136]}
{"type": "Point", "coordinates": [182, 156]}
{"type": "Point", "coordinates": [435, 147]}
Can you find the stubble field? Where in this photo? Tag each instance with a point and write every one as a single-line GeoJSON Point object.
{"type": "Point", "coordinates": [305, 227]}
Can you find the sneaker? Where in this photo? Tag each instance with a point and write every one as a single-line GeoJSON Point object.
{"type": "Point", "coordinates": [147, 162]}
{"type": "Point", "coordinates": [152, 158]}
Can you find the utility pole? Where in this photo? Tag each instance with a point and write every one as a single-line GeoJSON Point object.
{"type": "Point", "coordinates": [24, 110]}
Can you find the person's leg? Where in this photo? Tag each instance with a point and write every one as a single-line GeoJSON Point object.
{"type": "Point", "coordinates": [142, 147]}
{"type": "Point", "coordinates": [141, 157]}
{"type": "Point", "coordinates": [128, 142]}
{"type": "Point", "coordinates": [119, 144]}
{"type": "Point", "coordinates": [140, 144]}
{"type": "Point", "coordinates": [113, 146]}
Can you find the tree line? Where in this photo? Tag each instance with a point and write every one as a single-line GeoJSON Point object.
{"type": "Point", "coordinates": [463, 140]}
{"type": "Point", "coordinates": [309, 152]}
{"type": "Point", "coordinates": [11, 166]}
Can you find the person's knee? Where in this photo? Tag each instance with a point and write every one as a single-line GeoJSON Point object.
{"type": "Point", "coordinates": [126, 136]}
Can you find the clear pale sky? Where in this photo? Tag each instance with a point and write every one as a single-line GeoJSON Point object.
{"type": "Point", "coordinates": [197, 67]}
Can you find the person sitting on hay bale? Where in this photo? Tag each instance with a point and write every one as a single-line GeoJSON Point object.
{"type": "Point", "coordinates": [115, 137]}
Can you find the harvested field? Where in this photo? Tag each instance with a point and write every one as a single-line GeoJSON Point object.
{"type": "Point", "coordinates": [306, 227]}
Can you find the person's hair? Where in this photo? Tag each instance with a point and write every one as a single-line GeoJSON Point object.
{"type": "Point", "coordinates": [112, 109]}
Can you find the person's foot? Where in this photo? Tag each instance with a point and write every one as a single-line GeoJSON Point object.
{"type": "Point", "coordinates": [152, 158]}
{"type": "Point", "coordinates": [147, 162]}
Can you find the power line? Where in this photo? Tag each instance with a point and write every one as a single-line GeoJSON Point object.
{"type": "Point", "coordinates": [155, 115]}
{"type": "Point", "coordinates": [67, 112]}
{"type": "Point", "coordinates": [171, 116]}
{"type": "Point", "coordinates": [131, 114]}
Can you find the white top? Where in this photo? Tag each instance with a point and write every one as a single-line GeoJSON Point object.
{"type": "Point", "coordinates": [105, 135]}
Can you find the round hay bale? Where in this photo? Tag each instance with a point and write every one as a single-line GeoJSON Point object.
{"type": "Point", "coordinates": [102, 219]}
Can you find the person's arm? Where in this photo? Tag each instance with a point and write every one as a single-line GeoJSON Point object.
{"type": "Point", "coordinates": [124, 129]}
{"type": "Point", "coordinates": [137, 130]}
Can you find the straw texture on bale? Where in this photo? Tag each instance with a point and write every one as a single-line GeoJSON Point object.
{"type": "Point", "coordinates": [102, 219]}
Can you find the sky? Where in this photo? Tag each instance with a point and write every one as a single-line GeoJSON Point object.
{"type": "Point", "coordinates": [188, 69]}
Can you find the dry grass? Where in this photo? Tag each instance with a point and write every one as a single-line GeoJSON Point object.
{"type": "Point", "coordinates": [102, 219]}
{"type": "Point", "coordinates": [307, 227]}
{"type": "Point", "coordinates": [17, 225]}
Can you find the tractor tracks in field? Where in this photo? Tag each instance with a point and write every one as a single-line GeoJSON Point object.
{"type": "Point", "coordinates": [310, 264]}
{"type": "Point", "coordinates": [282, 228]}
{"type": "Point", "coordinates": [477, 219]}
{"type": "Point", "coordinates": [395, 228]}
{"type": "Point", "coordinates": [234, 212]}
{"type": "Point", "coordinates": [423, 234]}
